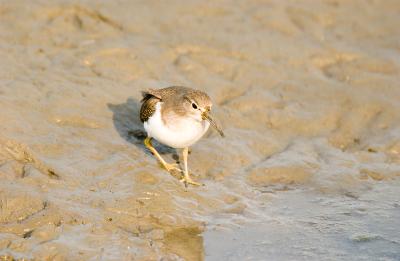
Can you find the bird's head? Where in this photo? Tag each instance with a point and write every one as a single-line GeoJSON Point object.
{"type": "Point", "coordinates": [198, 105]}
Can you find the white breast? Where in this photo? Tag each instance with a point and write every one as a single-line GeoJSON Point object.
{"type": "Point", "coordinates": [181, 133]}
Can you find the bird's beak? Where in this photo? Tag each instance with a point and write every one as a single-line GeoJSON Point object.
{"type": "Point", "coordinates": [206, 116]}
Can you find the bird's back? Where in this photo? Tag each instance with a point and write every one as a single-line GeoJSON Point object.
{"type": "Point", "coordinates": [152, 96]}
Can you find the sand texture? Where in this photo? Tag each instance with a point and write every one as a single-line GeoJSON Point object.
{"type": "Point", "coordinates": [308, 95]}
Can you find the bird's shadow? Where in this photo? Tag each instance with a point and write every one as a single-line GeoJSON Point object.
{"type": "Point", "coordinates": [127, 122]}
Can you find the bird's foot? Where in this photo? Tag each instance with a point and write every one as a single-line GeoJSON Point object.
{"type": "Point", "coordinates": [171, 167]}
{"type": "Point", "coordinates": [188, 180]}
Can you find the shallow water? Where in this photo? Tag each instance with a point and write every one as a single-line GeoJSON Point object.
{"type": "Point", "coordinates": [307, 96]}
{"type": "Point", "coordinates": [304, 225]}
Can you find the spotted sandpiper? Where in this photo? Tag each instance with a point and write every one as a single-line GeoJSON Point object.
{"type": "Point", "coordinates": [177, 117]}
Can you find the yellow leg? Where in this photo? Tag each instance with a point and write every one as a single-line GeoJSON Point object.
{"type": "Point", "coordinates": [169, 167]}
{"type": "Point", "coordinates": [186, 178]}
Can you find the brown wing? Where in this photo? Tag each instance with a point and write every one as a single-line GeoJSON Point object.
{"type": "Point", "coordinates": [148, 105]}
{"type": "Point", "coordinates": [152, 92]}
{"type": "Point", "coordinates": [152, 96]}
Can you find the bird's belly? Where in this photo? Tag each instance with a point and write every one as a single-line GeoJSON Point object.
{"type": "Point", "coordinates": [181, 133]}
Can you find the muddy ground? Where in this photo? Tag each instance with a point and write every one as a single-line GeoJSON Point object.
{"type": "Point", "coordinates": [307, 93]}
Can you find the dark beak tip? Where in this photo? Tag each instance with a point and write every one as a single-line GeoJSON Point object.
{"type": "Point", "coordinates": [212, 122]}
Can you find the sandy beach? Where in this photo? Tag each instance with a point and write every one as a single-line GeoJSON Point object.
{"type": "Point", "coordinates": [308, 95]}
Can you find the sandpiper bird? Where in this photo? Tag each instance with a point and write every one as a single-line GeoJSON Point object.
{"type": "Point", "coordinates": [177, 117]}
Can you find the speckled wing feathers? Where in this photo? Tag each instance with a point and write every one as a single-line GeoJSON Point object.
{"type": "Point", "coordinates": [149, 102]}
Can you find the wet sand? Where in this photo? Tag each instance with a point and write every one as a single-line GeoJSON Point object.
{"type": "Point", "coordinates": [308, 96]}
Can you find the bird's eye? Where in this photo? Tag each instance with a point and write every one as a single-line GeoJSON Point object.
{"type": "Point", "coordinates": [194, 106]}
